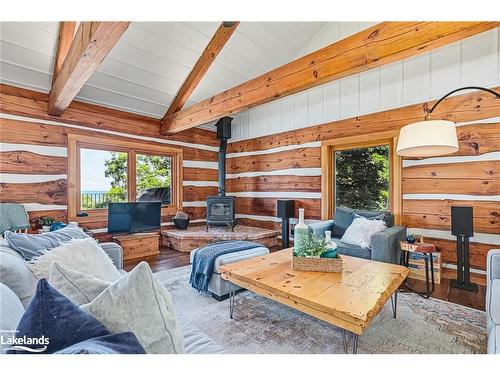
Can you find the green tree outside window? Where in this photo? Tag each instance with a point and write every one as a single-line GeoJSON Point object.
{"type": "Point", "coordinates": [362, 178]}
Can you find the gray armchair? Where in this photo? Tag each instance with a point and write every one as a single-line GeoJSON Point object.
{"type": "Point", "coordinates": [384, 245]}
{"type": "Point", "coordinates": [493, 301]}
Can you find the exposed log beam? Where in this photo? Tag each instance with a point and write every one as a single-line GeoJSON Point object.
{"type": "Point", "coordinates": [66, 33]}
{"type": "Point", "coordinates": [91, 44]}
{"type": "Point", "coordinates": [379, 45]}
{"type": "Point", "coordinates": [206, 59]}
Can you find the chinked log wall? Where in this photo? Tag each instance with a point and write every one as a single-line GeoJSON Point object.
{"type": "Point", "coordinates": [33, 152]}
{"type": "Point", "coordinates": [288, 165]}
{"type": "Point", "coordinates": [261, 170]}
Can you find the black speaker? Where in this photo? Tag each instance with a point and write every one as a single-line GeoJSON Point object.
{"type": "Point", "coordinates": [461, 221]}
{"type": "Point", "coordinates": [462, 226]}
{"type": "Point", "coordinates": [286, 208]}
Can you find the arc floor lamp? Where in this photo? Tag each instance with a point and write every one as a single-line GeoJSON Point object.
{"type": "Point", "coordinates": [434, 138]}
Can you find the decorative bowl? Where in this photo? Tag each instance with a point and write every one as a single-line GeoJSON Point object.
{"type": "Point", "coordinates": [181, 223]}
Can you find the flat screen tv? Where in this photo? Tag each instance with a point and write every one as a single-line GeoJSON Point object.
{"type": "Point", "coordinates": [133, 217]}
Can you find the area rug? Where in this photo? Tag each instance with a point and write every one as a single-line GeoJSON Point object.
{"type": "Point", "coordinates": [264, 326]}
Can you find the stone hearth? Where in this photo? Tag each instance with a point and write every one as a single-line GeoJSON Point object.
{"type": "Point", "coordinates": [196, 236]}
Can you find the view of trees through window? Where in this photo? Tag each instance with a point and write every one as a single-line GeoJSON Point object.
{"type": "Point", "coordinates": [362, 178]}
{"type": "Point", "coordinates": [104, 177]}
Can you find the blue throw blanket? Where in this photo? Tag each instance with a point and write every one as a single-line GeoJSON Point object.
{"type": "Point", "coordinates": [204, 260]}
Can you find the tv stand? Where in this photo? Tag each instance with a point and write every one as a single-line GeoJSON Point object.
{"type": "Point", "coordinates": [138, 245]}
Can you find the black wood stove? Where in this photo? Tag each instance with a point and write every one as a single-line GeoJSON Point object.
{"type": "Point", "coordinates": [221, 208]}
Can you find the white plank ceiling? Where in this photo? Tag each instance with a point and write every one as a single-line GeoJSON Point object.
{"type": "Point", "coordinates": [150, 62]}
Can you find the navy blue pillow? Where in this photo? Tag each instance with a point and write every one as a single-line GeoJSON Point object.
{"type": "Point", "coordinates": [118, 343]}
{"type": "Point", "coordinates": [53, 317]}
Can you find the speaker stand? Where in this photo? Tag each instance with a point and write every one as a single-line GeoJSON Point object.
{"type": "Point", "coordinates": [285, 232]}
{"type": "Point", "coordinates": [463, 266]}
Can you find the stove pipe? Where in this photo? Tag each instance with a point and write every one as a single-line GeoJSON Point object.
{"type": "Point", "coordinates": [223, 133]}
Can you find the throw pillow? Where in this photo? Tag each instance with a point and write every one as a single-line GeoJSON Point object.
{"type": "Point", "coordinates": [343, 218]}
{"type": "Point", "coordinates": [16, 275]}
{"type": "Point", "coordinates": [137, 302]}
{"type": "Point", "coordinates": [83, 255]}
{"type": "Point", "coordinates": [77, 286]}
{"type": "Point", "coordinates": [11, 312]}
{"type": "Point", "coordinates": [32, 245]}
{"type": "Point", "coordinates": [377, 217]}
{"type": "Point", "coordinates": [55, 322]}
{"type": "Point", "coordinates": [361, 230]}
{"type": "Point", "coordinates": [118, 343]}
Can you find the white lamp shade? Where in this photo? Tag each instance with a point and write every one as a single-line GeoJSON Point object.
{"type": "Point", "coordinates": [428, 138]}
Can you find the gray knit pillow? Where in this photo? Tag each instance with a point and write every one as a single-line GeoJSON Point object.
{"type": "Point", "coordinates": [79, 287]}
{"type": "Point", "coordinates": [137, 302]}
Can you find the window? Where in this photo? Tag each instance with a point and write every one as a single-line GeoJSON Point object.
{"type": "Point", "coordinates": [103, 178]}
{"type": "Point", "coordinates": [153, 177]}
{"type": "Point", "coordinates": [108, 170]}
{"type": "Point", "coordinates": [362, 178]}
{"type": "Point", "coordinates": [362, 172]}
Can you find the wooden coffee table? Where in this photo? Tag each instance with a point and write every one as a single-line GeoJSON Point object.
{"type": "Point", "coordinates": [349, 300]}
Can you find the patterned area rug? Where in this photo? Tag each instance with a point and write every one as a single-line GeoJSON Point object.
{"type": "Point", "coordinates": [265, 326]}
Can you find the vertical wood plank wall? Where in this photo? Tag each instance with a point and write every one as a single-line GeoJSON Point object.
{"type": "Point", "coordinates": [33, 152]}
{"type": "Point", "coordinates": [288, 165]}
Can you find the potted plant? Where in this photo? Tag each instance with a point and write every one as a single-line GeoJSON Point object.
{"type": "Point", "coordinates": [45, 222]}
{"type": "Point", "coordinates": [315, 254]}
{"type": "Point", "coordinates": [311, 247]}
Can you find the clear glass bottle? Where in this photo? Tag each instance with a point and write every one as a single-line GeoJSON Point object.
{"type": "Point", "coordinates": [300, 232]}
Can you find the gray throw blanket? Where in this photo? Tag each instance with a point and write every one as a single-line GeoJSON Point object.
{"type": "Point", "coordinates": [204, 260]}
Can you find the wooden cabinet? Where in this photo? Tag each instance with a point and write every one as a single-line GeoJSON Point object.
{"type": "Point", "coordinates": [138, 245]}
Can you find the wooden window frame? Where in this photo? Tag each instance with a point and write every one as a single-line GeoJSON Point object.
{"type": "Point", "coordinates": [132, 148]}
{"type": "Point", "coordinates": [328, 149]}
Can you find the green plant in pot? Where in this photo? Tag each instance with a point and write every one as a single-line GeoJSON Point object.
{"type": "Point", "coordinates": [311, 246]}
{"type": "Point", "coordinates": [45, 222]}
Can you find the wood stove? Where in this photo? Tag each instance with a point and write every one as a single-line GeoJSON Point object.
{"type": "Point", "coordinates": [221, 208]}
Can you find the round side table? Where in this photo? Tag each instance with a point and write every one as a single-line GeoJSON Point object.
{"type": "Point", "coordinates": [426, 249]}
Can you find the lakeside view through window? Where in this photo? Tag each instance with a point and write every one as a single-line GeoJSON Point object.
{"type": "Point", "coordinates": [362, 178]}
{"type": "Point", "coordinates": [104, 178]}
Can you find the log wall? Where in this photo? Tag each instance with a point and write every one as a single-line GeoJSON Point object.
{"type": "Point", "coordinates": [262, 170]}
{"type": "Point", "coordinates": [288, 165]}
{"type": "Point", "coordinates": [33, 153]}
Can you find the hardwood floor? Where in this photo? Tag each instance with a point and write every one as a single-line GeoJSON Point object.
{"type": "Point", "coordinates": [169, 258]}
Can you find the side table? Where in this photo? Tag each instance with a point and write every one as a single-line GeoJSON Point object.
{"type": "Point", "coordinates": [426, 249]}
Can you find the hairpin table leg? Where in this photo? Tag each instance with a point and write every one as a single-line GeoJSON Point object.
{"type": "Point", "coordinates": [232, 295]}
{"type": "Point", "coordinates": [354, 343]}
{"type": "Point", "coordinates": [344, 340]}
{"type": "Point", "coordinates": [394, 303]}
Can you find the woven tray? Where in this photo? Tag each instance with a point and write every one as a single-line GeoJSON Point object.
{"type": "Point", "coordinates": [317, 264]}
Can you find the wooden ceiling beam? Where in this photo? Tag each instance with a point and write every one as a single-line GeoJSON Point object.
{"type": "Point", "coordinates": [66, 33]}
{"type": "Point", "coordinates": [378, 45]}
{"type": "Point", "coordinates": [220, 38]}
{"type": "Point", "coordinates": [91, 44]}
